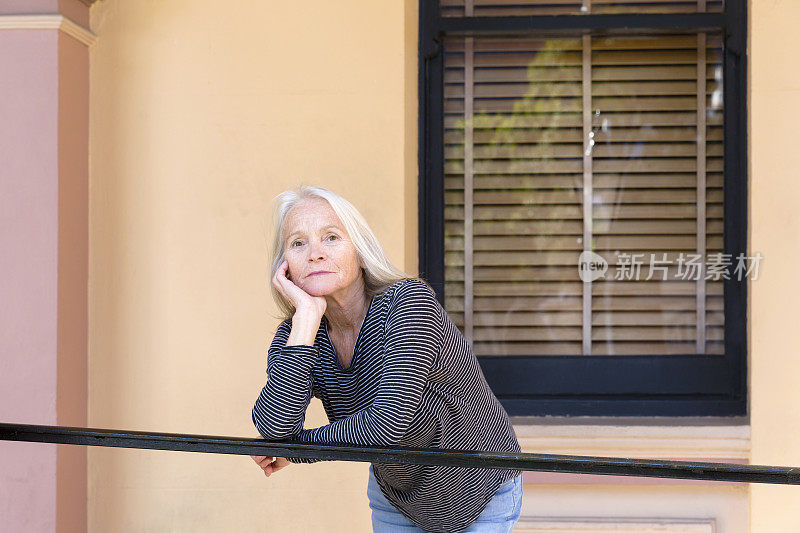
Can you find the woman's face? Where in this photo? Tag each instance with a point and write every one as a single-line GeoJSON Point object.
{"type": "Point", "coordinates": [315, 241]}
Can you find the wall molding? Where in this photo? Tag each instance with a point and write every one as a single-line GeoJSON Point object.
{"type": "Point", "coordinates": [706, 443]}
{"type": "Point", "coordinates": [613, 525]}
{"type": "Point", "coordinates": [54, 21]}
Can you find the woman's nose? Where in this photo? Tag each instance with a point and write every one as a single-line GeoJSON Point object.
{"type": "Point", "coordinates": [315, 251]}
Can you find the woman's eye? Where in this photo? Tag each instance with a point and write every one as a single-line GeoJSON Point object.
{"type": "Point", "coordinates": [334, 236]}
{"type": "Point", "coordinates": [295, 242]}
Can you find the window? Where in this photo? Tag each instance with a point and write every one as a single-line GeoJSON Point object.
{"type": "Point", "coordinates": [583, 199]}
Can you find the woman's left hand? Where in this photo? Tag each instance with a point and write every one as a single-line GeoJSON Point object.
{"type": "Point", "coordinates": [270, 464]}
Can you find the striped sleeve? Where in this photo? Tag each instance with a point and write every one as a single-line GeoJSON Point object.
{"type": "Point", "coordinates": [280, 409]}
{"type": "Point", "coordinates": [413, 337]}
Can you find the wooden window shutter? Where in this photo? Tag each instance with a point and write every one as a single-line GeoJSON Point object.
{"type": "Point", "coordinates": [556, 145]}
{"type": "Point", "coordinates": [499, 8]}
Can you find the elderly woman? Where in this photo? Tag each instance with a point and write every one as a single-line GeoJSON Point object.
{"type": "Point", "coordinates": [390, 367]}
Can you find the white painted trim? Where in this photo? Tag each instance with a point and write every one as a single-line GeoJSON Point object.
{"type": "Point", "coordinates": [48, 22]}
{"type": "Point", "coordinates": [647, 442]}
{"type": "Point", "coordinates": [613, 525]}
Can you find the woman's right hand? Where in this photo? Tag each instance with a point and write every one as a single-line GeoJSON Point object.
{"type": "Point", "coordinates": [270, 465]}
{"type": "Point", "coordinates": [300, 299]}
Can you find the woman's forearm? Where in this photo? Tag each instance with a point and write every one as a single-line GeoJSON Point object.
{"type": "Point", "coordinates": [304, 328]}
{"type": "Point", "coordinates": [280, 409]}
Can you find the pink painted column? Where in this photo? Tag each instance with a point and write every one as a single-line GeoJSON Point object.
{"type": "Point", "coordinates": [44, 108]}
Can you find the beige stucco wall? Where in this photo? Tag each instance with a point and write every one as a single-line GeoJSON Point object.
{"type": "Point", "coordinates": [775, 232]}
{"type": "Point", "coordinates": [202, 112]}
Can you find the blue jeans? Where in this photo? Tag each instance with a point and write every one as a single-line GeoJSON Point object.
{"type": "Point", "coordinates": [499, 516]}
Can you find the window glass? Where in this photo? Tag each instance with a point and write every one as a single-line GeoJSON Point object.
{"type": "Point", "coordinates": [560, 148]}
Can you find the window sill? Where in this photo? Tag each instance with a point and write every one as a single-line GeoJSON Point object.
{"type": "Point", "coordinates": [722, 440]}
{"type": "Point", "coordinates": [716, 440]}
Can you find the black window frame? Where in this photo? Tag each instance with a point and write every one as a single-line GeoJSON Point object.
{"type": "Point", "coordinates": [637, 385]}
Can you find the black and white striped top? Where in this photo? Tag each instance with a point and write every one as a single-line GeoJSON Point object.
{"type": "Point", "coordinates": [413, 381]}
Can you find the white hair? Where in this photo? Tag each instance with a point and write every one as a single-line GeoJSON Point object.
{"type": "Point", "coordinates": [379, 273]}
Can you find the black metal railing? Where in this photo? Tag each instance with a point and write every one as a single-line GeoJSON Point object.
{"type": "Point", "coordinates": [615, 466]}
